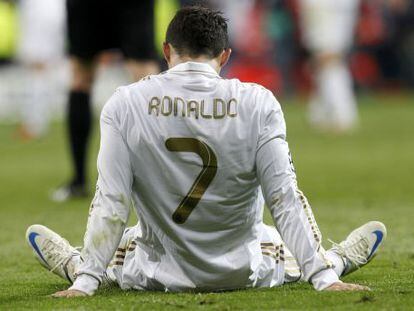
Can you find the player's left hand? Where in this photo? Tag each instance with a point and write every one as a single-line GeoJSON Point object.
{"type": "Point", "coordinates": [339, 286]}
{"type": "Point", "coordinates": [69, 293]}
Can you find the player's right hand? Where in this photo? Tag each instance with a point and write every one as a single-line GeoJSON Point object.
{"type": "Point", "coordinates": [69, 293]}
{"type": "Point", "coordinates": [339, 286]}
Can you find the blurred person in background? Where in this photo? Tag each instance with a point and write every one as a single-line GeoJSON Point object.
{"type": "Point", "coordinates": [399, 18]}
{"type": "Point", "coordinates": [41, 52]}
{"type": "Point", "coordinates": [250, 22]}
{"type": "Point", "coordinates": [327, 32]}
{"type": "Point", "coordinates": [95, 26]}
{"type": "Point", "coordinates": [281, 28]}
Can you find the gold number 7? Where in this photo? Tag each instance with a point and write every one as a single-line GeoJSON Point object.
{"type": "Point", "coordinates": [203, 180]}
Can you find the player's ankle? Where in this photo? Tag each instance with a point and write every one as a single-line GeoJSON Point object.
{"type": "Point", "coordinates": [337, 261]}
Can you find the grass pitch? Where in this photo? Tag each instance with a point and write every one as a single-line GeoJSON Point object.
{"type": "Point", "coordinates": [348, 179]}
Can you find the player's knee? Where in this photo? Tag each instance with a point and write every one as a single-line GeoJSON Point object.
{"type": "Point", "coordinates": [323, 60]}
{"type": "Point", "coordinates": [82, 75]}
{"type": "Point", "coordinates": [140, 69]}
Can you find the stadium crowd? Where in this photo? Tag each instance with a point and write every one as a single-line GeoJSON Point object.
{"type": "Point", "coordinates": [382, 55]}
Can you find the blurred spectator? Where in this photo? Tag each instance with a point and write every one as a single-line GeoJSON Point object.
{"type": "Point", "coordinates": [280, 26]}
{"type": "Point", "coordinates": [252, 47]}
{"type": "Point", "coordinates": [328, 32]}
{"type": "Point", "coordinates": [399, 16]}
{"type": "Point", "coordinates": [41, 52]}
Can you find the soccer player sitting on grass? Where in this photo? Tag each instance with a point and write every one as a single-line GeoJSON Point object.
{"type": "Point", "coordinates": [192, 153]}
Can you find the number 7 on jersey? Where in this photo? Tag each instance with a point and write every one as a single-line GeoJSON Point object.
{"type": "Point", "coordinates": [203, 180]}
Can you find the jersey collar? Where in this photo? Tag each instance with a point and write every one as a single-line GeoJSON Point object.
{"type": "Point", "coordinates": [196, 67]}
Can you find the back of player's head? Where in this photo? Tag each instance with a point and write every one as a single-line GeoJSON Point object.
{"type": "Point", "coordinates": [196, 31]}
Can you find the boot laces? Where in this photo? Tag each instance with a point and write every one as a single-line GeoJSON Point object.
{"type": "Point", "coordinates": [59, 252]}
{"type": "Point", "coordinates": [355, 250]}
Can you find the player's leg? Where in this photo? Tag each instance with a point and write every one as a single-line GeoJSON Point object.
{"type": "Point", "coordinates": [53, 252]}
{"type": "Point", "coordinates": [35, 104]}
{"type": "Point", "coordinates": [86, 39]}
{"type": "Point", "coordinates": [79, 122]}
{"type": "Point", "coordinates": [58, 256]}
{"type": "Point", "coordinates": [278, 265]}
{"type": "Point", "coordinates": [334, 86]}
{"type": "Point", "coordinates": [138, 69]}
{"type": "Point", "coordinates": [114, 272]}
{"type": "Point", "coordinates": [137, 38]}
{"type": "Point", "coordinates": [357, 250]}
{"type": "Point", "coordinates": [79, 116]}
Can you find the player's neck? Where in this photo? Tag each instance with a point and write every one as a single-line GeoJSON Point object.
{"type": "Point", "coordinates": [200, 59]}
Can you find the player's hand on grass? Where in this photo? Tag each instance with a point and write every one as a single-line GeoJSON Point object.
{"type": "Point", "coordinates": [339, 286]}
{"type": "Point", "coordinates": [69, 293]}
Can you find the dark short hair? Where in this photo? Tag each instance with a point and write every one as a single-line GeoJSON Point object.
{"type": "Point", "coordinates": [197, 30]}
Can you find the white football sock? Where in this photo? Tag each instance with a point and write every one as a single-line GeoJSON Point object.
{"type": "Point", "coordinates": [317, 111]}
{"type": "Point", "coordinates": [337, 262]}
{"type": "Point", "coordinates": [335, 90]}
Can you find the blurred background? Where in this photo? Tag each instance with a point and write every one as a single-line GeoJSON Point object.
{"type": "Point", "coordinates": [266, 37]}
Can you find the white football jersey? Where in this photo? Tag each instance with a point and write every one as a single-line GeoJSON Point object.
{"type": "Point", "coordinates": [189, 150]}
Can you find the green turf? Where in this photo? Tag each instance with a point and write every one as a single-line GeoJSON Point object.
{"type": "Point", "coordinates": [348, 180]}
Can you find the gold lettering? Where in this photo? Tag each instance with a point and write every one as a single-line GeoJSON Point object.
{"type": "Point", "coordinates": [203, 115]}
{"type": "Point", "coordinates": [164, 111]}
{"type": "Point", "coordinates": [176, 101]}
{"type": "Point", "coordinates": [193, 106]}
{"type": "Point", "coordinates": [154, 104]}
{"type": "Point", "coordinates": [177, 106]}
{"type": "Point", "coordinates": [229, 110]}
{"type": "Point", "coordinates": [222, 103]}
